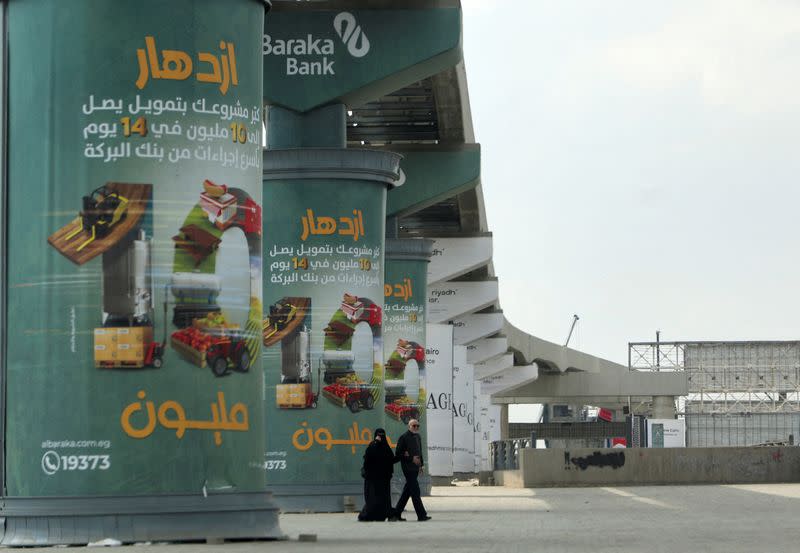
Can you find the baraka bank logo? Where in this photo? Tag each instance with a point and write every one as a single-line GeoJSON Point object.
{"type": "Point", "coordinates": [351, 34]}
{"type": "Point", "coordinates": [312, 55]}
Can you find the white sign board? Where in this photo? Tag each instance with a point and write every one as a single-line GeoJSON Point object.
{"type": "Point", "coordinates": [438, 410]}
{"type": "Point", "coordinates": [476, 425]}
{"type": "Point", "coordinates": [489, 431]}
{"type": "Point", "coordinates": [453, 257]}
{"type": "Point", "coordinates": [666, 433]}
{"type": "Point", "coordinates": [463, 412]}
{"type": "Point", "coordinates": [451, 300]}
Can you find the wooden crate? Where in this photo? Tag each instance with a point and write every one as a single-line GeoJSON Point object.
{"type": "Point", "coordinates": [395, 416]}
{"type": "Point", "coordinates": [189, 353]}
{"type": "Point", "coordinates": [340, 401]}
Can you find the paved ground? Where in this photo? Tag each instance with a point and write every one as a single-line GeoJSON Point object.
{"type": "Point", "coordinates": [587, 520]}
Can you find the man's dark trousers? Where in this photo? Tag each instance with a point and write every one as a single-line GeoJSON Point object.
{"type": "Point", "coordinates": [411, 489]}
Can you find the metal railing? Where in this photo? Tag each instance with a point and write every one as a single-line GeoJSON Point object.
{"type": "Point", "coordinates": [504, 454]}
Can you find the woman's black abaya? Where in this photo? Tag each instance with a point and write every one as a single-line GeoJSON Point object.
{"type": "Point", "coordinates": [377, 471]}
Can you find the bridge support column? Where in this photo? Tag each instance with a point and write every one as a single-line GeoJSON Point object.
{"type": "Point", "coordinates": [663, 407]}
{"type": "Point", "coordinates": [504, 422]}
{"type": "Point", "coordinates": [324, 237]}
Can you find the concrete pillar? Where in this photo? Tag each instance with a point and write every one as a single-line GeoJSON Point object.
{"type": "Point", "coordinates": [663, 407]}
{"type": "Point", "coordinates": [504, 433]}
{"type": "Point", "coordinates": [324, 127]}
{"type": "Point", "coordinates": [307, 169]}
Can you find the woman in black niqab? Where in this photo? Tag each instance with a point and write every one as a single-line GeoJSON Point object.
{"type": "Point", "coordinates": [377, 472]}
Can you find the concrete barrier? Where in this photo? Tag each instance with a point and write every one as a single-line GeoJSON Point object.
{"type": "Point", "coordinates": [638, 466]}
{"type": "Point", "coordinates": [509, 478]}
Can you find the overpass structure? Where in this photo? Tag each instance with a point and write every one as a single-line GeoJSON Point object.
{"type": "Point", "coordinates": [512, 365]}
{"type": "Point", "coordinates": [342, 87]}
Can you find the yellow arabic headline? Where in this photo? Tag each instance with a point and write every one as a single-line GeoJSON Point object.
{"type": "Point", "coordinates": [348, 226]}
{"type": "Point", "coordinates": [220, 418]}
{"type": "Point", "coordinates": [177, 65]}
{"type": "Point", "coordinates": [323, 437]}
{"type": "Point", "coordinates": [399, 290]}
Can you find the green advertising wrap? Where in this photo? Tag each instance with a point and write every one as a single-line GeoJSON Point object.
{"type": "Point", "coordinates": [134, 232]}
{"type": "Point", "coordinates": [405, 295]}
{"type": "Point", "coordinates": [405, 292]}
{"type": "Point", "coordinates": [324, 224]}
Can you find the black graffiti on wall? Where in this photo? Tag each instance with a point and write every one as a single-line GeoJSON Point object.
{"type": "Point", "coordinates": [597, 459]}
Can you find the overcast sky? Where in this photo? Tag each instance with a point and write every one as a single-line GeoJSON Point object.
{"type": "Point", "coordinates": [640, 165]}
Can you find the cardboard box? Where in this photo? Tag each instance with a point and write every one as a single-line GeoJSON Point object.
{"type": "Point", "coordinates": [127, 353]}
{"type": "Point", "coordinates": [135, 335]}
{"type": "Point", "coordinates": [292, 395]}
{"type": "Point", "coordinates": [105, 337]}
{"type": "Point", "coordinates": [105, 353]}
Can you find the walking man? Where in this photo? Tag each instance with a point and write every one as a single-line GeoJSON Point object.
{"type": "Point", "coordinates": [409, 452]}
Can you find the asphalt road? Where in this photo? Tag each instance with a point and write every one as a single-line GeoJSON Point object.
{"type": "Point", "coordinates": [705, 519]}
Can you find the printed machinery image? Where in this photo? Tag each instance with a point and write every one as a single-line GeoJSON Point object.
{"type": "Point", "coordinates": [295, 390]}
{"type": "Point", "coordinates": [102, 209]}
{"type": "Point", "coordinates": [195, 296]}
{"type": "Point", "coordinates": [126, 338]}
{"type": "Point", "coordinates": [280, 315]}
{"type": "Point", "coordinates": [344, 387]}
{"type": "Point", "coordinates": [228, 348]}
{"type": "Point", "coordinates": [285, 318]}
{"type": "Point", "coordinates": [110, 225]}
{"type": "Point", "coordinates": [211, 341]}
{"type": "Point", "coordinates": [288, 322]}
{"type": "Point", "coordinates": [109, 216]}
{"type": "Point", "coordinates": [350, 392]}
{"type": "Point", "coordinates": [400, 407]}
{"type": "Point", "coordinates": [337, 363]}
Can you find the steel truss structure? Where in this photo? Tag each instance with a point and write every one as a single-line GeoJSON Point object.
{"type": "Point", "coordinates": [728, 377]}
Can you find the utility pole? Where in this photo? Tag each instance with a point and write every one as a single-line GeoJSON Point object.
{"type": "Point", "coordinates": [658, 350]}
{"type": "Point", "coordinates": [571, 328]}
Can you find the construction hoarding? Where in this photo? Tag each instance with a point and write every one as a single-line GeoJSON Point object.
{"type": "Point", "coordinates": [463, 412]}
{"type": "Point", "coordinates": [439, 410]}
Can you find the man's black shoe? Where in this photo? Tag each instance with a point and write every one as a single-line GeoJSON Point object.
{"type": "Point", "coordinates": [423, 519]}
{"type": "Point", "coordinates": [396, 519]}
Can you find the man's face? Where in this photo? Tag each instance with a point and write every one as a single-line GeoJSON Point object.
{"type": "Point", "coordinates": [413, 425]}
